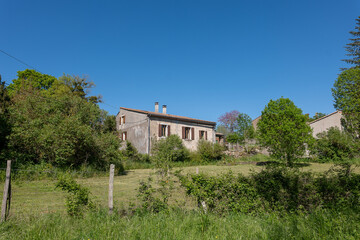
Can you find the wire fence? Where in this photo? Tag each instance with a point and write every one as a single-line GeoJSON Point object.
{"type": "Point", "coordinates": [37, 193]}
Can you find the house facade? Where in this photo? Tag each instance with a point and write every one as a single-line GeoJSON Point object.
{"type": "Point", "coordinates": [142, 128]}
{"type": "Point", "coordinates": [324, 123]}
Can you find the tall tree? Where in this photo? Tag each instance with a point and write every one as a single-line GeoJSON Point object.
{"type": "Point", "coordinates": [80, 86]}
{"type": "Point", "coordinates": [5, 128]}
{"type": "Point", "coordinates": [229, 119]}
{"type": "Point", "coordinates": [353, 48]}
{"type": "Point", "coordinates": [243, 126]}
{"type": "Point", "coordinates": [283, 130]}
{"type": "Point", "coordinates": [346, 93]}
{"type": "Point", "coordinates": [31, 79]}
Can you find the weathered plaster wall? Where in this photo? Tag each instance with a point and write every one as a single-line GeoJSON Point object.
{"type": "Point", "coordinates": [333, 120]}
{"type": "Point", "coordinates": [176, 128]}
{"type": "Point", "coordinates": [136, 127]}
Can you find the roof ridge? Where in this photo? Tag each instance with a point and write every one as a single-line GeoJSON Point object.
{"type": "Point", "coordinates": [165, 115]}
{"type": "Point", "coordinates": [316, 120]}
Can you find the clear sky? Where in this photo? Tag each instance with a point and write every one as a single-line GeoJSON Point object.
{"type": "Point", "coordinates": [201, 58]}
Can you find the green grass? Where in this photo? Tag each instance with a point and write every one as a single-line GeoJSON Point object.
{"type": "Point", "coordinates": [184, 225]}
{"type": "Point", "coordinates": [42, 197]}
{"type": "Point", "coordinates": [38, 212]}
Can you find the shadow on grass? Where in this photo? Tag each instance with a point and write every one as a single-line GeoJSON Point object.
{"type": "Point", "coordinates": [275, 163]}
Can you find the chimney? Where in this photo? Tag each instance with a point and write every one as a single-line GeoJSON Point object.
{"type": "Point", "coordinates": [156, 107]}
{"type": "Point", "coordinates": [164, 109]}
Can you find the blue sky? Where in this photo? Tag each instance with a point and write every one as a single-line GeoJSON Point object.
{"type": "Point", "coordinates": [200, 58]}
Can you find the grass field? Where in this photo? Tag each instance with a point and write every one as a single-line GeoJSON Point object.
{"type": "Point", "coordinates": [31, 197]}
{"type": "Point", "coordinates": [38, 212]}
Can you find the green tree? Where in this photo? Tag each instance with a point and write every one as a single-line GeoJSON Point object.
{"type": "Point", "coordinates": [346, 93]}
{"type": "Point", "coordinates": [57, 126]}
{"type": "Point", "coordinates": [353, 48]}
{"type": "Point", "coordinates": [244, 127]}
{"type": "Point", "coordinates": [31, 79]}
{"type": "Point", "coordinates": [283, 130]}
{"type": "Point", "coordinates": [80, 86]}
{"type": "Point", "coordinates": [5, 127]}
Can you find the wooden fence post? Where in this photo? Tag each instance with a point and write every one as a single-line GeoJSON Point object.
{"type": "Point", "coordinates": [197, 170]}
{"type": "Point", "coordinates": [111, 188]}
{"type": "Point", "coordinates": [5, 206]}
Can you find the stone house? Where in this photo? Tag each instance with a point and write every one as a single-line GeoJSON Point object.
{"type": "Point", "coordinates": [324, 123]}
{"type": "Point", "coordinates": [141, 128]}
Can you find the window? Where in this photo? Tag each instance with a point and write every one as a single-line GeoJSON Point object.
{"type": "Point", "coordinates": [122, 120]}
{"type": "Point", "coordinates": [203, 135]}
{"type": "Point", "coordinates": [188, 133]}
{"type": "Point", "coordinates": [164, 130]}
{"type": "Point", "coordinates": [124, 136]}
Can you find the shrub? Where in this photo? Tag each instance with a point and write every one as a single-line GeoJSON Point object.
{"type": "Point", "coordinates": [77, 200]}
{"type": "Point", "coordinates": [155, 199]}
{"type": "Point", "coordinates": [209, 151]}
{"type": "Point", "coordinates": [276, 188]}
{"type": "Point", "coordinates": [170, 149]}
{"type": "Point", "coordinates": [335, 145]}
{"type": "Point", "coordinates": [222, 193]}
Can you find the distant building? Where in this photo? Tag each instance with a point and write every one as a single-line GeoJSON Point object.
{"type": "Point", "coordinates": [324, 123]}
{"type": "Point", "coordinates": [141, 128]}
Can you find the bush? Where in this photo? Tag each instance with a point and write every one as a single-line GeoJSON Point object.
{"type": "Point", "coordinates": [209, 151]}
{"type": "Point", "coordinates": [223, 193]}
{"type": "Point", "coordinates": [276, 188]}
{"type": "Point", "coordinates": [170, 149]}
{"type": "Point", "coordinates": [78, 200]}
{"type": "Point", "coordinates": [335, 145]}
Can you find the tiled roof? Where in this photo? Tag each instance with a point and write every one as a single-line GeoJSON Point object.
{"type": "Point", "coordinates": [170, 116]}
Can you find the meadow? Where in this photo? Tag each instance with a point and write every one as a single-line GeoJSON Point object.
{"type": "Point", "coordinates": [38, 212]}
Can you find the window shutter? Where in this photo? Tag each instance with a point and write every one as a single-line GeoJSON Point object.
{"type": "Point", "coordinates": [205, 135]}
{"type": "Point", "coordinates": [168, 130]}
{"type": "Point", "coordinates": [125, 136]}
{"type": "Point", "coordinates": [124, 119]}
{"type": "Point", "coordinates": [183, 132]}
{"type": "Point", "coordinates": [192, 134]}
{"type": "Point", "coordinates": [199, 134]}
{"type": "Point", "coordinates": [159, 130]}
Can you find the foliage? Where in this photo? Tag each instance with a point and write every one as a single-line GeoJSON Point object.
{"type": "Point", "coordinates": [77, 200]}
{"type": "Point", "coordinates": [316, 116]}
{"type": "Point", "coordinates": [346, 93]}
{"type": "Point", "coordinates": [353, 48]}
{"type": "Point", "coordinates": [155, 199]}
{"type": "Point", "coordinates": [223, 193]}
{"type": "Point", "coordinates": [209, 151]}
{"type": "Point", "coordinates": [229, 119]}
{"type": "Point", "coordinates": [80, 86]}
{"type": "Point", "coordinates": [233, 138]}
{"type": "Point", "coordinates": [244, 126]}
{"type": "Point", "coordinates": [335, 145]}
{"type": "Point", "coordinates": [275, 188]}
{"type": "Point", "coordinates": [59, 128]}
{"type": "Point", "coordinates": [5, 127]}
{"type": "Point", "coordinates": [168, 150]}
{"type": "Point", "coordinates": [283, 130]}
{"type": "Point", "coordinates": [31, 79]}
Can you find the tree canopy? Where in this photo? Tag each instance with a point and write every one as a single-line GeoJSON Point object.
{"type": "Point", "coordinates": [346, 93]}
{"type": "Point", "coordinates": [353, 48]}
{"type": "Point", "coordinates": [229, 119]}
{"type": "Point", "coordinates": [54, 121]}
{"type": "Point", "coordinates": [283, 130]}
